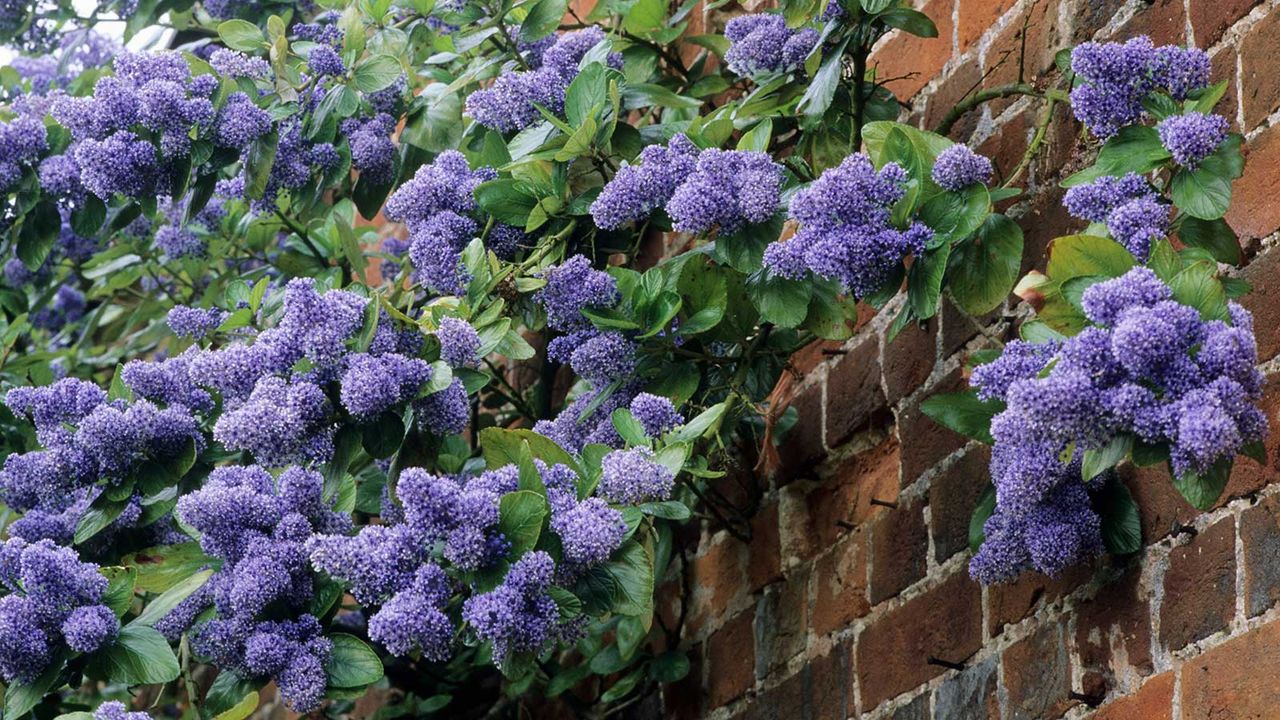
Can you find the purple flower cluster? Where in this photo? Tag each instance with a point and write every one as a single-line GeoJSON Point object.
{"type": "Point", "coordinates": [574, 286]}
{"type": "Point", "coordinates": [192, 322]}
{"type": "Point", "coordinates": [115, 710]}
{"type": "Point", "coordinates": [1192, 137]}
{"type": "Point", "coordinates": [632, 476]}
{"type": "Point", "coordinates": [1128, 205]}
{"type": "Point", "coordinates": [236, 64]}
{"type": "Point", "coordinates": [240, 122]}
{"type": "Point", "coordinates": [53, 599]}
{"type": "Point", "coordinates": [22, 141]}
{"type": "Point", "coordinates": [518, 616]}
{"type": "Point", "coordinates": [958, 167]}
{"type": "Point", "coordinates": [845, 231]}
{"type": "Point", "coordinates": [372, 151]}
{"type": "Point", "coordinates": [1118, 76]}
{"type": "Point", "coordinates": [701, 190]}
{"type": "Point", "coordinates": [459, 343]}
{"type": "Point", "coordinates": [656, 414]}
{"type": "Point", "coordinates": [508, 104]}
{"type": "Point", "coordinates": [763, 43]}
{"type": "Point", "coordinates": [258, 526]}
{"type": "Point", "coordinates": [373, 384]}
{"type": "Point", "coordinates": [1149, 367]}
{"type": "Point", "coordinates": [445, 412]}
{"type": "Point", "coordinates": [437, 204]}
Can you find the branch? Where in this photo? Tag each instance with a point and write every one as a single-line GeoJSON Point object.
{"type": "Point", "coordinates": [976, 99]}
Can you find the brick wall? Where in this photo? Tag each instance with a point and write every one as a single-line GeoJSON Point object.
{"type": "Point", "coordinates": [852, 598]}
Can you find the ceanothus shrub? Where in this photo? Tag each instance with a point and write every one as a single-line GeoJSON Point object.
{"type": "Point", "coordinates": [336, 352]}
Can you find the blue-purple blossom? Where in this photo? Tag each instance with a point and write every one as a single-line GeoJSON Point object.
{"type": "Point", "coordinates": [459, 343]}
{"type": "Point", "coordinates": [192, 322]}
{"type": "Point", "coordinates": [1094, 201]}
{"type": "Point", "coordinates": [603, 358]}
{"type": "Point", "coordinates": [373, 152]}
{"type": "Point", "coordinates": [234, 63]}
{"type": "Point", "coordinates": [637, 190]}
{"type": "Point", "coordinates": [1055, 534]}
{"type": "Point", "coordinates": [122, 163]}
{"type": "Point", "coordinates": [1118, 76]}
{"type": "Point", "coordinates": [376, 383]}
{"type": "Point", "coordinates": [518, 616]}
{"type": "Point", "coordinates": [281, 422]}
{"type": "Point", "coordinates": [1020, 360]}
{"type": "Point", "coordinates": [656, 414]}
{"type": "Point", "coordinates": [179, 242]}
{"type": "Point", "coordinates": [632, 476]}
{"type": "Point", "coordinates": [727, 189]}
{"type": "Point", "coordinates": [240, 122]}
{"type": "Point", "coordinates": [763, 43]}
{"type": "Point", "coordinates": [573, 286]}
{"type": "Point", "coordinates": [445, 412]}
{"type": "Point", "coordinates": [324, 60]}
{"type": "Point", "coordinates": [1138, 224]}
{"type": "Point", "coordinates": [1192, 137]}
{"type": "Point", "coordinates": [958, 167]}
{"type": "Point", "coordinates": [115, 710]}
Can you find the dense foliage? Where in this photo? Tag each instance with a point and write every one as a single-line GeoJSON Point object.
{"type": "Point", "coordinates": [254, 438]}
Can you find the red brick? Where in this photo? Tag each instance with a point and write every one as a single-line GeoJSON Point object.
{"type": "Point", "coordinates": [1115, 623]}
{"type": "Point", "coordinates": [1236, 679]}
{"type": "Point", "coordinates": [923, 441]}
{"type": "Point", "coordinates": [1210, 20]}
{"type": "Point", "coordinates": [1260, 536]}
{"type": "Point", "coordinates": [803, 448]}
{"type": "Point", "coordinates": [765, 565]}
{"type": "Point", "coordinates": [1248, 476]}
{"type": "Point", "coordinates": [959, 84]}
{"type": "Point", "coordinates": [845, 497]}
{"type": "Point", "coordinates": [976, 16]}
{"type": "Point", "coordinates": [1152, 701]}
{"type": "Point", "coordinates": [944, 622]}
{"type": "Point", "coordinates": [716, 578]}
{"type": "Point", "coordinates": [909, 359]}
{"type": "Point", "coordinates": [854, 396]}
{"type": "Point", "coordinates": [1009, 603]}
{"type": "Point", "coordinates": [830, 685]}
{"type": "Point", "coordinates": [907, 63]}
{"type": "Point", "coordinates": [1037, 675]}
{"type": "Point", "coordinates": [1044, 35]}
{"type": "Point", "coordinates": [1254, 212]}
{"type": "Point", "coordinates": [1007, 145]}
{"type": "Point", "coordinates": [1164, 20]}
{"type": "Point", "coordinates": [899, 547]}
{"type": "Point", "coordinates": [1260, 83]}
{"type": "Point", "coordinates": [780, 701]}
{"type": "Point", "coordinates": [1224, 68]}
{"type": "Point", "coordinates": [952, 497]}
{"type": "Point", "coordinates": [731, 660]}
{"type": "Point", "coordinates": [840, 585]}
{"type": "Point", "coordinates": [1160, 506]}
{"type": "Point", "coordinates": [1046, 219]}
{"type": "Point", "coordinates": [1200, 586]}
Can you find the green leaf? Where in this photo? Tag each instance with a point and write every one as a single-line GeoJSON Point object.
{"type": "Point", "coordinates": [376, 73]}
{"type": "Point", "coordinates": [169, 599]}
{"type": "Point", "coordinates": [228, 691]}
{"type": "Point", "coordinates": [644, 95]}
{"type": "Point", "coordinates": [1205, 192]}
{"type": "Point", "coordinates": [964, 413]}
{"type": "Point", "coordinates": [382, 437]}
{"type": "Point", "coordinates": [1121, 523]}
{"type": "Point", "coordinates": [982, 270]}
{"type": "Point", "coordinates": [822, 88]}
{"type": "Point", "coordinates": [102, 513]}
{"type": "Point", "coordinates": [645, 16]}
{"type": "Point", "coordinates": [119, 593]}
{"type": "Point", "coordinates": [1106, 457]}
{"type": "Point", "coordinates": [954, 216]}
{"type": "Point", "coordinates": [911, 21]}
{"type": "Point", "coordinates": [588, 92]}
{"type": "Point", "coordinates": [241, 35]}
{"type": "Point", "coordinates": [1215, 236]}
{"type": "Point", "coordinates": [506, 200]}
{"type": "Point", "coordinates": [671, 666]}
{"type": "Point", "coordinates": [139, 656]}
{"type": "Point", "coordinates": [978, 520]}
{"type": "Point", "coordinates": [1081, 255]}
{"type": "Point", "coordinates": [1198, 286]}
{"type": "Point", "coordinates": [352, 663]}
{"type": "Point", "coordinates": [1202, 490]}
{"type": "Point", "coordinates": [40, 228]}
{"type": "Point", "coordinates": [1136, 148]}
{"type": "Point", "coordinates": [629, 427]}
{"type": "Point", "coordinates": [1147, 455]}
{"type": "Point", "coordinates": [924, 281]}
{"type": "Point", "coordinates": [707, 420]}
{"type": "Point", "coordinates": [757, 138]}
{"type": "Point", "coordinates": [87, 219]}
{"type": "Point", "coordinates": [781, 301]}
{"type": "Point", "coordinates": [542, 20]}
{"type": "Point", "coordinates": [501, 446]}
{"type": "Point", "coordinates": [631, 571]}
{"type": "Point", "coordinates": [164, 566]}
{"type": "Point", "coordinates": [21, 698]}
{"type": "Point", "coordinates": [240, 710]}
{"type": "Point", "coordinates": [667, 509]}
{"type": "Point", "coordinates": [520, 516]}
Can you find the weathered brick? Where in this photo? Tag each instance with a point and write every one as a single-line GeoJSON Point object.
{"type": "Point", "coordinates": [1009, 603]}
{"type": "Point", "coordinates": [893, 654]}
{"type": "Point", "coordinates": [803, 449]}
{"type": "Point", "coordinates": [909, 359]}
{"type": "Point", "coordinates": [840, 585]}
{"type": "Point", "coordinates": [1037, 675]}
{"type": "Point", "coordinates": [1115, 623]}
{"type": "Point", "coordinates": [765, 560]}
{"type": "Point", "coordinates": [899, 547]}
{"type": "Point", "coordinates": [1200, 586]}
{"type": "Point", "coordinates": [1010, 59]}
{"type": "Point", "coordinates": [976, 16]}
{"type": "Point", "coordinates": [1224, 68]}
{"type": "Point", "coordinates": [1264, 302]}
{"type": "Point", "coordinates": [1236, 679]}
{"type": "Point", "coordinates": [907, 63]}
{"type": "Point", "coordinates": [924, 442]}
{"type": "Point", "coordinates": [854, 396]}
{"type": "Point", "coordinates": [1007, 145]}
{"type": "Point", "coordinates": [917, 709]}
{"type": "Point", "coordinates": [959, 83]}
{"type": "Point", "coordinates": [830, 684]}
{"type": "Point", "coordinates": [1254, 212]}
{"type": "Point", "coordinates": [1045, 219]}
{"type": "Point", "coordinates": [1164, 20]}
{"type": "Point", "coordinates": [731, 659]}
{"type": "Point", "coordinates": [952, 497]}
{"type": "Point", "coordinates": [970, 694]}
{"type": "Point", "coordinates": [815, 514]}
{"type": "Point", "coordinates": [780, 701]}
{"type": "Point", "coordinates": [716, 578]}
{"type": "Point", "coordinates": [1260, 536]}
{"type": "Point", "coordinates": [782, 621]}
{"type": "Point", "coordinates": [1260, 83]}
{"type": "Point", "coordinates": [1210, 20]}
{"type": "Point", "coordinates": [1152, 701]}
{"type": "Point", "coordinates": [1160, 506]}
